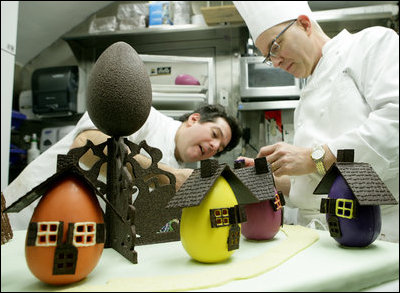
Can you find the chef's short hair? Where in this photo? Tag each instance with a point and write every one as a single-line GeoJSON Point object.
{"type": "Point", "coordinates": [210, 113]}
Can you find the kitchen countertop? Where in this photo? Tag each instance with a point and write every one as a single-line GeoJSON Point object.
{"type": "Point", "coordinates": [320, 265]}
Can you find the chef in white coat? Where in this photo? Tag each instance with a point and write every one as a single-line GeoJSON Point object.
{"type": "Point", "coordinates": [350, 101]}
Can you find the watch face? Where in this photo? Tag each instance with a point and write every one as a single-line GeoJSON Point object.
{"type": "Point", "coordinates": [317, 154]}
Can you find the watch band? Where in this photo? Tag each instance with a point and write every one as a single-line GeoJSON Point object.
{"type": "Point", "coordinates": [320, 167]}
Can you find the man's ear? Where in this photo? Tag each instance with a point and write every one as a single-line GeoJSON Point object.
{"type": "Point", "coordinates": [195, 117]}
{"type": "Point", "coordinates": [304, 22]}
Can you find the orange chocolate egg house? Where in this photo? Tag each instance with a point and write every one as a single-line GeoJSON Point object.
{"type": "Point", "coordinates": [65, 237]}
{"type": "Point", "coordinates": [66, 234]}
{"type": "Point", "coordinates": [68, 230]}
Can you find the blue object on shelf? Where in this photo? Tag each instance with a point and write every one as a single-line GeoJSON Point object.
{"type": "Point", "coordinates": [16, 119]}
{"type": "Point", "coordinates": [16, 154]}
{"type": "Point", "coordinates": [159, 13]}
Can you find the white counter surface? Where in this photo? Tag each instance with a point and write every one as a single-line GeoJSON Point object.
{"type": "Point", "coordinates": [322, 266]}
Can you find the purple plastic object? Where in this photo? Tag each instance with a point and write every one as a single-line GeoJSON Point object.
{"type": "Point", "coordinates": [262, 221]}
{"type": "Point", "coordinates": [186, 79]}
{"type": "Point", "coordinates": [362, 230]}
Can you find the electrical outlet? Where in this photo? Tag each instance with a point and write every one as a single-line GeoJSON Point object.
{"type": "Point", "coordinates": [223, 98]}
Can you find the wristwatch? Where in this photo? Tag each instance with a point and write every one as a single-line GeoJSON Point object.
{"type": "Point", "coordinates": [318, 154]}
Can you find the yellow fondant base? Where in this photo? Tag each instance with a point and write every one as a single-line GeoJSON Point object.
{"type": "Point", "coordinates": [297, 239]}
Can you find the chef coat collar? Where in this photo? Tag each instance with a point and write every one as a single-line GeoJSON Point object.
{"type": "Point", "coordinates": [326, 51]}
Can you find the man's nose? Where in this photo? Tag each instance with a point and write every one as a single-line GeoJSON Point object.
{"type": "Point", "coordinates": [215, 145]}
{"type": "Point", "coordinates": [276, 61]}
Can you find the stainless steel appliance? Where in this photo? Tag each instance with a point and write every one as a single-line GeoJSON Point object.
{"type": "Point", "coordinates": [260, 82]}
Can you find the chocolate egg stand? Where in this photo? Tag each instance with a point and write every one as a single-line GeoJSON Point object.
{"type": "Point", "coordinates": [119, 98]}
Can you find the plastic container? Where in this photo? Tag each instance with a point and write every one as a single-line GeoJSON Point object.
{"type": "Point", "coordinates": [16, 120]}
{"type": "Point", "coordinates": [34, 151]}
{"type": "Point", "coordinates": [186, 79]}
{"type": "Point", "coordinates": [16, 154]}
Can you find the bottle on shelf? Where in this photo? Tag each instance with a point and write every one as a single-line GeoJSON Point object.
{"type": "Point", "coordinates": [34, 151]}
{"type": "Point", "coordinates": [250, 47]}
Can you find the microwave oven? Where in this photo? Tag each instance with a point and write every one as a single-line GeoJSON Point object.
{"type": "Point", "coordinates": [260, 82]}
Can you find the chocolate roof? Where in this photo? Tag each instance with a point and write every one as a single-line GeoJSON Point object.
{"type": "Point", "coordinates": [196, 188]}
{"type": "Point", "coordinates": [261, 185]}
{"type": "Point", "coordinates": [250, 185]}
{"type": "Point", "coordinates": [363, 181]}
{"type": "Point", "coordinates": [45, 186]}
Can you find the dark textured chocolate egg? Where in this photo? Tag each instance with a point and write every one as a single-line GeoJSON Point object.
{"type": "Point", "coordinates": [119, 94]}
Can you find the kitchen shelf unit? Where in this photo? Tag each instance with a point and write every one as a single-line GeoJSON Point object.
{"type": "Point", "coordinates": [174, 99]}
{"type": "Point", "coordinates": [174, 45]}
{"type": "Point", "coordinates": [217, 40]}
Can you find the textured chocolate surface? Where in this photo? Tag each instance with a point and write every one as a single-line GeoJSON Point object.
{"type": "Point", "coordinates": [261, 185]}
{"type": "Point", "coordinates": [196, 187]}
{"type": "Point", "coordinates": [363, 181]}
{"type": "Point", "coordinates": [6, 230]}
{"type": "Point", "coordinates": [49, 183]}
{"type": "Point", "coordinates": [119, 94]}
{"type": "Point", "coordinates": [153, 195]}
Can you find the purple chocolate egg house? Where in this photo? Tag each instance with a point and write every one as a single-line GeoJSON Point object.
{"type": "Point", "coordinates": [355, 193]}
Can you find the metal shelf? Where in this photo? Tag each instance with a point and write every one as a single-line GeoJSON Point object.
{"type": "Point", "coordinates": [175, 113]}
{"type": "Point", "coordinates": [178, 100]}
{"type": "Point", "coordinates": [270, 105]}
{"type": "Point", "coordinates": [357, 13]}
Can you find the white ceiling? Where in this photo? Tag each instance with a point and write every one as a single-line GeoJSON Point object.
{"type": "Point", "coordinates": [41, 23]}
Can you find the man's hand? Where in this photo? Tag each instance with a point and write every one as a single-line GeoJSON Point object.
{"type": "Point", "coordinates": [282, 183]}
{"type": "Point", "coordinates": [247, 161]}
{"type": "Point", "coordinates": [287, 159]}
{"type": "Point", "coordinates": [181, 176]}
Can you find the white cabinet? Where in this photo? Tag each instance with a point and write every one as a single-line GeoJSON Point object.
{"type": "Point", "coordinates": [9, 20]}
{"type": "Point", "coordinates": [175, 100]}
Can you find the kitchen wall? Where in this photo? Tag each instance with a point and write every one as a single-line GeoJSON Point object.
{"type": "Point", "coordinates": [60, 54]}
{"type": "Point", "coordinates": [9, 16]}
{"type": "Point", "coordinates": [226, 67]}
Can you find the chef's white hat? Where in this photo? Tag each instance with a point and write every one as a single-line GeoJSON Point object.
{"type": "Point", "coordinates": [262, 15]}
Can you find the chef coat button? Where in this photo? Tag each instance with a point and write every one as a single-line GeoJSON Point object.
{"type": "Point", "coordinates": [322, 112]}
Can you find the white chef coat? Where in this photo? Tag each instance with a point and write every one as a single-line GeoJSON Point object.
{"type": "Point", "coordinates": [351, 101]}
{"type": "Point", "coordinates": [158, 131]}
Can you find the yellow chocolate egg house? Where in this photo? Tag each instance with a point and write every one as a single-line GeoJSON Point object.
{"type": "Point", "coordinates": [212, 201]}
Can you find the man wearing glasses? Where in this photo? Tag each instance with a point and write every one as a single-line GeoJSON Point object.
{"type": "Point", "coordinates": [350, 101]}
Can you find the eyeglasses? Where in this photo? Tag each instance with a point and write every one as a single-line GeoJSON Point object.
{"type": "Point", "coordinates": [274, 50]}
